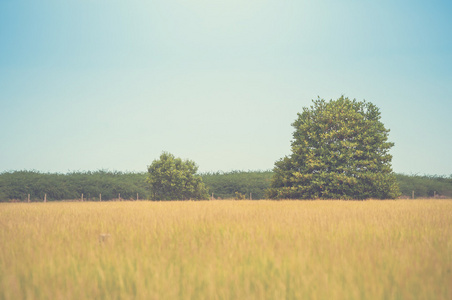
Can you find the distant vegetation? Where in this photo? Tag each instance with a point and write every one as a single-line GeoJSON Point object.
{"type": "Point", "coordinates": [230, 185]}
{"type": "Point", "coordinates": [425, 186]}
{"type": "Point", "coordinates": [112, 185]}
{"type": "Point", "coordinates": [238, 183]}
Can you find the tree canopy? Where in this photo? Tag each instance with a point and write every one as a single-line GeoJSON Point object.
{"type": "Point", "coordinates": [340, 150]}
{"type": "Point", "coordinates": [172, 178]}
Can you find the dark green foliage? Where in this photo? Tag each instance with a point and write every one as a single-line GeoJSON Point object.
{"type": "Point", "coordinates": [340, 150]}
{"type": "Point", "coordinates": [425, 186]}
{"type": "Point", "coordinates": [226, 185]}
{"type": "Point", "coordinates": [17, 185]}
{"type": "Point", "coordinates": [239, 196]}
{"type": "Point", "coordinates": [172, 178]}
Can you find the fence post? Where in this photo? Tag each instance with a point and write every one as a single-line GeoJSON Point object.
{"type": "Point", "coordinates": [28, 198]}
{"type": "Point", "coordinates": [119, 196]}
{"type": "Point", "coordinates": [251, 196]}
{"type": "Point", "coordinates": [412, 194]}
{"type": "Point", "coordinates": [82, 197]}
{"type": "Point", "coordinates": [137, 196]}
{"type": "Point", "coordinates": [45, 198]}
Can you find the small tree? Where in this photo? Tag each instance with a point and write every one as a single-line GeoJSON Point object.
{"type": "Point", "coordinates": [340, 150]}
{"type": "Point", "coordinates": [172, 178]}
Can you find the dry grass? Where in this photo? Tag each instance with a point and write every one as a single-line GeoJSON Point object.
{"type": "Point", "coordinates": [227, 250]}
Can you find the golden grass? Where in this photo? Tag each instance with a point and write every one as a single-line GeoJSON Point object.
{"type": "Point", "coordinates": [227, 250]}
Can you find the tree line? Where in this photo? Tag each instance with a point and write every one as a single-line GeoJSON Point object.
{"type": "Point", "coordinates": [340, 150]}
{"type": "Point", "coordinates": [224, 185]}
{"type": "Point", "coordinates": [54, 186]}
{"type": "Point", "coordinates": [425, 186]}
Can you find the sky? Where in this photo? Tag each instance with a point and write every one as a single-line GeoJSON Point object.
{"type": "Point", "coordinates": [105, 84]}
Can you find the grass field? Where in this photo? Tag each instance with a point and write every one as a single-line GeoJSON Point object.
{"type": "Point", "coordinates": [227, 250]}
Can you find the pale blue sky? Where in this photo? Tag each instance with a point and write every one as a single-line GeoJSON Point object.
{"type": "Point", "coordinates": [97, 84]}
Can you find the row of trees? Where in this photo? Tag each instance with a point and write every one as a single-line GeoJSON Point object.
{"type": "Point", "coordinates": [238, 184]}
{"type": "Point", "coordinates": [340, 150]}
{"type": "Point", "coordinates": [110, 185]}
{"type": "Point", "coordinates": [424, 186]}
{"type": "Point", "coordinates": [229, 185]}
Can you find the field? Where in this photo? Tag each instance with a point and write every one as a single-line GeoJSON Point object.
{"type": "Point", "coordinates": [226, 250]}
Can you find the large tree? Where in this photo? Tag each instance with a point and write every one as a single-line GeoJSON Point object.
{"type": "Point", "coordinates": [340, 150]}
{"type": "Point", "coordinates": [172, 178]}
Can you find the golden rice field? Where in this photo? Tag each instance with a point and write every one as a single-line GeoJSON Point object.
{"type": "Point", "coordinates": [227, 250]}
